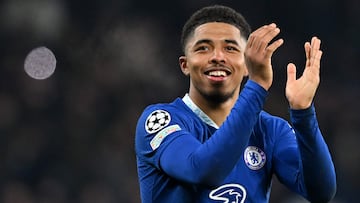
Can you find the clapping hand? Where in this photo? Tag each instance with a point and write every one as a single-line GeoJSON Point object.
{"type": "Point", "coordinates": [300, 92]}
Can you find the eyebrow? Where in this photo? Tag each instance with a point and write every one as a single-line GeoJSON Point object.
{"type": "Point", "coordinates": [207, 41]}
{"type": "Point", "coordinates": [230, 41]}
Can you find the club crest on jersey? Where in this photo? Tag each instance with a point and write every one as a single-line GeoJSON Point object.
{"type": "Point", "coordinates": [156, 121]}
{"type": "Point", "coordinates": [227, 193]}
{"type": "Point", "coordinates": [254, 157]}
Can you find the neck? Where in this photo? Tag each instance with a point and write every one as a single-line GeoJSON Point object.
{"type": "Point", "coordinates": [217, 111]}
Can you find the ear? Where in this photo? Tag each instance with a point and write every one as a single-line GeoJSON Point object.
{"type": "Point", "coordinates": [246, 72]}
{"type": "Point", "coordinates": [183, 65]}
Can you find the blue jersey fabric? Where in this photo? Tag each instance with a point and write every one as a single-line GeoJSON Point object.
{"type": "Point", "coordinates": [182, 156]}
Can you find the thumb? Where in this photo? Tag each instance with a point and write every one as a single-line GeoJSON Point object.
{"type": "Point", "coordinates": [291, 73]}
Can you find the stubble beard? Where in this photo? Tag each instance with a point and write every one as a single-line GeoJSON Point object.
{"type": "Point", "coordinates": [217, 97]}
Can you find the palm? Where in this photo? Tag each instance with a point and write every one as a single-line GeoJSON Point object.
{"type": "Point", "coordinates": [300, 92]}
{"type": "Point", "coordinates": [258, 52]}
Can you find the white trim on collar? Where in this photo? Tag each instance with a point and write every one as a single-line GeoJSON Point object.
{"type": "Point", "coordinates": [205, 118]}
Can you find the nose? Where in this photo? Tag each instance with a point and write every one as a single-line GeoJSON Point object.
{"type": "Point", "coordinates": [217, 57]}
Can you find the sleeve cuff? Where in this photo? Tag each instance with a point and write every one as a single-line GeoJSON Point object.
{"type": "Point", "coordinates": [256, 87]}
{"type": "Point", "coordinates": [301, 113]}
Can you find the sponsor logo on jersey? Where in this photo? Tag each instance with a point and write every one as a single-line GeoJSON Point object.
{"type": "Point", "coordinates": [160, 136]}
{"type": "Point", "coordinates": [254, 157]}
{"type": "Point", "coordinates": [229, 193]}
{"type": "Point", "coordinates": [156, 121]}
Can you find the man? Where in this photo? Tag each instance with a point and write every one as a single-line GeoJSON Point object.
{"type": "Point", "coordinates": [216, 144]}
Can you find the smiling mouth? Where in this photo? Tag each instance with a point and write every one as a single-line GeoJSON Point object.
{"type": "Point", "coordinates": [217, 73]}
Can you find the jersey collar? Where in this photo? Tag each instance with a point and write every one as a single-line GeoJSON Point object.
{"type": "Point", "coordinates": [205, 118]}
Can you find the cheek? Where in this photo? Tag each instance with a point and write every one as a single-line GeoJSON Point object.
{"type": "Point", "coordinates": [240, 65]}
{"type": "Point", "coordinates": [195, 65]}
{"type": "Point", "coordinates": [241, 71]}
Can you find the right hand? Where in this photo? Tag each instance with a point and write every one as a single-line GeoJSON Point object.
{"type": "Point", "coordinates": [258, 53]}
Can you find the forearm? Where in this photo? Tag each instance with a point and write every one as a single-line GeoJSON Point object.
{"type": "Point", "coordinates": [318, 168]}
{"type": "Point", "coordinates": [210, 162]}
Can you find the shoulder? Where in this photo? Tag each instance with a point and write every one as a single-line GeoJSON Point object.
{"type": "Point", "coordinates": [267, 118]}
{"type": "Point", "coordinates": [273, 125]}
{"type": "Point", "coordinates": [156, 116]}
{"type": "Point", "coordinates": [158, 121]}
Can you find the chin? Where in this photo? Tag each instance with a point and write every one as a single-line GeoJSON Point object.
{"type": "Point", "coordinates": [219, 97]}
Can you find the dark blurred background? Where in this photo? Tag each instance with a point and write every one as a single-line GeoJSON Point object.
{"type": "Point", "coordinates": [69, 138]}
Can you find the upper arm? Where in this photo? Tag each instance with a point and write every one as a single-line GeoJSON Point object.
{"type": "Point", "coordinates": [170, 148]}
{"type": "Point", "coordinates": [156, 128]}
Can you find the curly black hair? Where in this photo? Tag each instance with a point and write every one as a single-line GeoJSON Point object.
{"type": "Point", "coordinates": [214, 13]}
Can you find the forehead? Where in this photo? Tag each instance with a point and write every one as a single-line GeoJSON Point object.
{"type": "Point", "coordinates": [217, 30]}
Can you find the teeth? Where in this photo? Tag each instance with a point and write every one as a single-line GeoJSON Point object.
{"type": "Point", "coordinates": [217, 73]}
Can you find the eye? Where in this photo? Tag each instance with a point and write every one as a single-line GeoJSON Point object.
{"type": "Point", "coordinates": [202, 48]}
{"type": "Point", "coordinates": [231, 48]}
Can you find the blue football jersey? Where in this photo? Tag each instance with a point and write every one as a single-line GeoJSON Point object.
{"type": "Point", "coordinates": [183, 156]}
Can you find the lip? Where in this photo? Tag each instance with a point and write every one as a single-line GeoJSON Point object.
{"type": "Point", "coordinates": [217, 74]}
{"type": "Point", "coordinates": [216, 79]}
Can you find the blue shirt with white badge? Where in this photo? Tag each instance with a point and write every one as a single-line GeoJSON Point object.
{"type": "Point", "coordinates": [183, 156]}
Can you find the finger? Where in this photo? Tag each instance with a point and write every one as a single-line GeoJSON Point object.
{"type": "Point", "coordinates": [291, 73]}
{"type": "Point", "coordinates": [315, 46]}
{"type": "Point", "coordinates": [315, 53]}
{"type": "Point", "coordinates": [315, 43]}
{"type": "Point", "coordinates": [273, 47]}
{"type": "Point", "coordinates": [307, 48]}
{"type": "Point", "coordinates": [261, 37]}
{"type": "Point", "coordinates": [316, 60]}
{"type": "Point", "coordinates": [267, 37]}
{"type": "Point", "coordinates": [254, 35]}
{"type": "Point", "coordinates": [264, 29]}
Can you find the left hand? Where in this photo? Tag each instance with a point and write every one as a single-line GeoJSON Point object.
{"type": "Point", "coordinates": [300, 92]}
